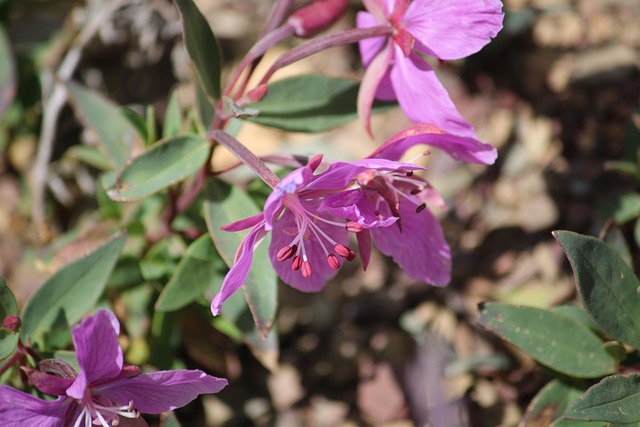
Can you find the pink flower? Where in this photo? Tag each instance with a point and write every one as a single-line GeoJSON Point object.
{"type": "Point", "coordinates": [445, 29]}
{"type": "Point", "coordinates": [308, 241]}
{"type": "Point", "coordinates": [415, 241]}
{"type": "Point", "coordinates": [105, 392]}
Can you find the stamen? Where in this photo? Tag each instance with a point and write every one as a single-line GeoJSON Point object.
{"type": "Point", "coordinates": [306, 269]}
{"type": "Point", "coordinates": [286, 252]}
{"type": "Point", "coordinates": [353, 227]}
{"type": "Point", "coordinates": [344, 252]}
{"type": "Point", "coordinates": [421, 208]}
{"type": "Point", "coordinates": [415, 191]}
{"type": "Point", "coordinates": [333, 261]}
{"type": "Point", "coordinates": [410, 173]}
{"type": "Point", "coordinates": [297, 263]}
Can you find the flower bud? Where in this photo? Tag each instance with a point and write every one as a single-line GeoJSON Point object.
{"type": "Point", "coordinates": [12, 323]}
{"type": "Point", "coordinates": [317, 17]}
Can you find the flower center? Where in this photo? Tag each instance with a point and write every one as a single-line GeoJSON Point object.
{"type": "Point", "coordinates": [105, 413]}
{"type": "Point", "coordinates": [306, 226]}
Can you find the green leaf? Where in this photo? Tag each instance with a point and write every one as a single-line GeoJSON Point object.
{"type": "Point", "coordinates": [550, 403]}
{"type": "Point", "coordinates": [113, 130]}
{"type": "Point", "coordinates": [559, 342]}
{"type": "Point", "coordinates": [622, 208]}
{"type": "Point", "coordinates": [202, 47]}
{"type": "Point", "coordinates": [607, 286]}
{"type": "Point", "coordinates": [71, 291]}
{"type": "Point", "coordinates": [223, 205]}
{"type": "Point", "coordinates": [311, 103]}
{"type": "Point", "coordinates": [172, 116]}
{"type": "Point", "coordinates": [205, 111]}
{"type": "Point", "coordinates": [8, 307]}
{"type": "Point", "coordinates": [198, 271]}
{"type": "Point", "coordinates": [160, 166]}
{"type": "Point", "coordinates": [7, 73]}
{"type": "Point", "coordinates": [615, 399]}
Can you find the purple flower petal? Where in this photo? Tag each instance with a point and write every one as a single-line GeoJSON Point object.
{"type": "Point", "coordinates": [289, 185]}
{"type": "Point", "coordinates": [369, 48]}
{"type": "Point", "coordinates": [162, 391]}
{"type": "Point", "coordinates": [18, 409]}
{"type": "Point", "coordinates": [347, 204]}
{"type": "Point", "coordinates": [376, 71]}
{"type": "Point", "coordinates": [47, 383]}
{"type": "Point", "coordinates": [431, 103]}
{"type": "Point", "coordinates": [237, 275]}
{"type": "Point", "coordinates": [467, 149]}
{"type": "Point", "coordinates": [284, 231]}
{"type": "Point", "coordinates": [342, 174]}
{"type": "Point", "coordinates": [243, 224]}
{"type": "Point", "coordinates": [453, 29]}
{"type": "Point", "coordinates": [420, 248]}
{"type": "Point", "coordinates": [97, 350]}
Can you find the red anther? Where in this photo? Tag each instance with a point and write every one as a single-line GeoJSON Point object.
{"type": "Point", "coordinates": [410, 173]}
{"type": "Point", "coordinates": [286, 252]}
{"type": "Point", "coordinates": [353, 227]}
{"type": "Point", "coordinates": [317, 17]}
{"type": "Point", "coordinates": [415, 191]}
{"type": "Point", "coordinates": [421, 208]}
{"type": "Point", "coordinates": [256, 94]}
{"type": "Point", "coordinates": [297, 263]}
{"type": "Point", "coordinates": [12, 323]}
{"type": "Point", "coordinates": [333, 261]}
{"type": "Point", "coordinates": [344, 252]}
{"type": "Point", "coordinates": [306, 269]}
{"type": "Point", "coordinates": [351, 255]}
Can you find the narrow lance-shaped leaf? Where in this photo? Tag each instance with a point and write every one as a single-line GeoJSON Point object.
{"type": "Point", "coordinates": [199, 270]}
{"type": "Point", "coordinates": [224, 205]}
{"type": "Point", "coordinates": [615, 399]}
{"type": "Point", "coordinates": [310, 103]}
{"type": "Point", "coordinates": [202, 47]}
{"type": "Point", "coordinates": [71, 291]}
{"type": "Point", "coordinates": [559, 342]}
{"type": "Point", "coordinates": [8, 307]}
{"type": "Point", "coordinates": [172, 116]}
{"type": "Point", "coordinates": [606, 284]}
{"type": "Point", "coordinates": [160, 166]}
{"type": "Point", "coordinates": [114, 132]}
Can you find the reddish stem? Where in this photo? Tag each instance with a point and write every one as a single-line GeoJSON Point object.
{"type": "Point", "coordinates": [322, 43]}
{"type": "Point", "coordinates": [247, 157]}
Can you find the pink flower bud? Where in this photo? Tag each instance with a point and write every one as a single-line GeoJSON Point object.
{"type": "Point", "coordinates": [12, 323]}
{"type": "Point", "coordinates": [317, 17]}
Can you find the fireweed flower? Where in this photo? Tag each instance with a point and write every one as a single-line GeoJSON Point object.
{"type": "Point", "coordinates": [415, 241]}
{"type": "Point", "coordinates": [308, 242]}
{"type": "Point", "coordinates": [447, 30]}
{"type": "Point", "coordinates": [105, 392]}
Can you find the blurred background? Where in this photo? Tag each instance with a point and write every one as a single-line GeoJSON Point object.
{"type": "Point", "coordinates": [558, 92]}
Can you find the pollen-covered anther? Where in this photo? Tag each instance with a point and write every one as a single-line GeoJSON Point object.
{"type": "Point", "coordinates": [305, 269]}
{"type": "Point", "coordinates": [297, 263]}
{"type": "Point", "coordinates": [421, 208]}
{"type": "Point", "coordinates": [286, 252]}
{"type": "Point", "coordinates": [333, 261]}
{"type": "Point", "coordinates": [353, 227]}
{"type": "Point", "coordinates": [344, 252]}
